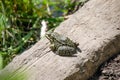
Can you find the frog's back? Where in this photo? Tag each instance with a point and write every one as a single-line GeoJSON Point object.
{"type": "Point", "coordinates": [59, 37]}
{"type": "Point", "coordinates": [63, 39]}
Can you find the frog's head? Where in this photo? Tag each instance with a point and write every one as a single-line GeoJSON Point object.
{"type": "Point", "coordinates": [52, 36]}
{"type": "Point", "coordinates": [49, 36]}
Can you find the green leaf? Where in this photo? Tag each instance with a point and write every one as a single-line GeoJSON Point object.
{"type": "Point", "coordinates": [1, 60]}
{"type": "Point", "coordinates": [22, 42]}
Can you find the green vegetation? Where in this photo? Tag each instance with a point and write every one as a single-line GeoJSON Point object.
{"type": "Point", "coordinates": [20, 23]}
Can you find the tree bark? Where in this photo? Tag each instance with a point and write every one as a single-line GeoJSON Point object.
{"type": "Point", "coordinates": [95, 26]}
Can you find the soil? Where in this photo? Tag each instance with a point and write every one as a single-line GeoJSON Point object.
{"type": "Point", "coordinates": [110, 70]}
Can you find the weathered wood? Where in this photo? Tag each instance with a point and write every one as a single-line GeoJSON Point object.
{"type": "Point", "coordinates": [96, 27]}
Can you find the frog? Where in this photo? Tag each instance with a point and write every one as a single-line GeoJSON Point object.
{"type": "Point", "coordinates": [61, 45]}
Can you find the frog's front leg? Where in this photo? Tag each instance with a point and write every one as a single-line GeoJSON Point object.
{"type": "Point", "coordinates": [52, 47]}
{"type": "Point", "coordinates": [66, 51]}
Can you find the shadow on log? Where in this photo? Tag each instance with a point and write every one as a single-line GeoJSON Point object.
{"type": "Point", "coordinates": [96, 27]}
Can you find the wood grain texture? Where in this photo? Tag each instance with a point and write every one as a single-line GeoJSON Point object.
{"type": "Point", "coordinates": [96, 27]}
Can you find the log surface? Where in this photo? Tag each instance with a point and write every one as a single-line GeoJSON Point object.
{"type": "Point", "coordinates": [95, 26]}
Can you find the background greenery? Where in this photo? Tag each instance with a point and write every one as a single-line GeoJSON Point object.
{"type": "Point", "coordinates": [20, 23]}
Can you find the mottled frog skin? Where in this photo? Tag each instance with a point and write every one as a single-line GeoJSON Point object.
{"type": "Point", "coordinates": [61, 45]}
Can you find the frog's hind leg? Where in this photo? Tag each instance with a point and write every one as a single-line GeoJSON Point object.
{"type": "Point", "coordinates": [65, 51]}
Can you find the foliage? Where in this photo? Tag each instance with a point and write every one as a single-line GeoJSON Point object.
{"type": "Point", "coordinates": [1, 61]}
{"type": "Point", "coordinates": [20, 23]}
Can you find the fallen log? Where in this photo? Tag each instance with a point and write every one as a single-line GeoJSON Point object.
{"type": "Point", "coordinates": [95, 26]}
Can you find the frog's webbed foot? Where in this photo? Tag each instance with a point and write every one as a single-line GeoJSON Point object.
{"type": "Point", "coordinates": [65, 51]}
{"type": "Point", "coordinates": [76, 44]}
{"type": "Point", "coordinates": [78, 49]}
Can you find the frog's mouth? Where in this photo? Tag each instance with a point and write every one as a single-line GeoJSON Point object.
{"type": "Point", "coordinates": [47, 36]}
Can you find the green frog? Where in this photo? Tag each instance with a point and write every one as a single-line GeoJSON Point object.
{"type": "Point", "coordinates": [61, 45]}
